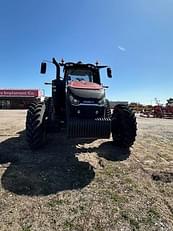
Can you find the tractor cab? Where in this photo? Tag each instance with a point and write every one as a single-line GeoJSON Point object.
{"type": "Point", "coordinates": [81, 72]}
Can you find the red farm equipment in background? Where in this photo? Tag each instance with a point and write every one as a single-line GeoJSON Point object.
{"type": "Point", "coordinates": [160, 111]}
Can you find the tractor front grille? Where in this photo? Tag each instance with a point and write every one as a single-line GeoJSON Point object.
{"type": "Point", "coordinates": [89, 128]}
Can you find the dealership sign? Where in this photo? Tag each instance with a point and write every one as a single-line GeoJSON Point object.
{"type": "Point", "coordinates": [20, 93]}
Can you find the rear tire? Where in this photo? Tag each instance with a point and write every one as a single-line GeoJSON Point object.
{"type": "Point", "coordinates": [36, 125]}
{"type": "Point", "coordinates": [123, 126]}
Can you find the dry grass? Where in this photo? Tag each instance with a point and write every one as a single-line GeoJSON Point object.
{"type": "Point", "coordinates": [79, 185]}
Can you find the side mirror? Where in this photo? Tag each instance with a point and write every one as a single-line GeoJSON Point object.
{"type": "Point", "coordinates": [109, 72]}
{"type": "Point", "coordinates": [43, 68]}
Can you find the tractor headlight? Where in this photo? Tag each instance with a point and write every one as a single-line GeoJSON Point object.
{"type": "Point", "coordinates": [74, 101]}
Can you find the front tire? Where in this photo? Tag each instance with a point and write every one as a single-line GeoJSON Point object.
{"type": "Point", "coordinates": [123, 126]}
{"type": "Point", "coordinates": [36, 125]}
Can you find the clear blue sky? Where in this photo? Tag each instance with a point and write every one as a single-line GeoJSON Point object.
{"type": "Point", "coordinates": [134, 37]}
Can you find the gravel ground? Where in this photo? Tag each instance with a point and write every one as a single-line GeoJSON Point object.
{"type": "Point", "coordinates": [79, 185]}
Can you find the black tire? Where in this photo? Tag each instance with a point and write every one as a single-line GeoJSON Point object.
{"type": "Point", "coordinates": [36, 125]}
{"type": "Point", "coordinates": [108, 109]}
{"type": "Point", "coordinates": [30, 111]}
{"type": "Point", "coordinates": [123, 126]}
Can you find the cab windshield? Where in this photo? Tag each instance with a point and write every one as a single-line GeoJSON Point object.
{"type": "Point", "coordinates": [79, 75]}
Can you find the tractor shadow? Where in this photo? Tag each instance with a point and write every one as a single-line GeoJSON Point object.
{"type": "Point", "coordinates": [108, 151]}
{"type": "Point", "coordinates": [52, 169]}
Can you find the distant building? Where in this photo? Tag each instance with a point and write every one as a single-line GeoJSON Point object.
{"type": "Point", "coordinates": [114, 103]}
{"type": "Point", "coordinates": [136, 107]}
{"type": "Point", "coordinates": [18, 98]}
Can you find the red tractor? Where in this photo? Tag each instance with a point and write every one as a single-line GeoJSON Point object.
{"type": "Point", "coordinates": [79, 105]}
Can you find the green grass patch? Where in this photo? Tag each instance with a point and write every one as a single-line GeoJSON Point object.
{"type": "Point", "coordinates": [26, 228]}
{"type": "Point", "coordinates": [132, 221]}
{"type": "Point", "coordinates": [54, 203]}
{"type": "Point", "coordinates": [68, 225]}
{"type": "Point", "coordinates": [116, 197]}
{"type": "Point", "coordinates": [152, 216]}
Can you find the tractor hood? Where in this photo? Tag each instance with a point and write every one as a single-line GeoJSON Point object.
{"type": "Point", "coordinates": [84, 85]}
{"type": "Point", "coordinates": [84, 89]}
